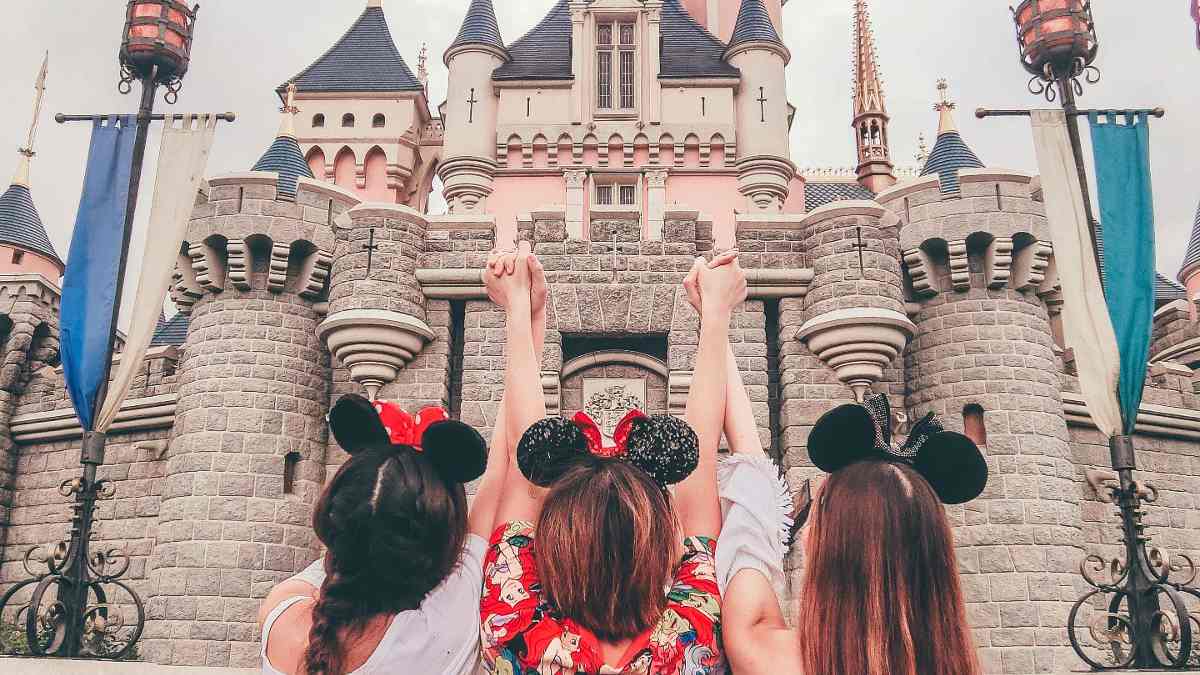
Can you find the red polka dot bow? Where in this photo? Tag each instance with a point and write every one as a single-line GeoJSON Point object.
{"type": "Point", "coordinates": [595, 438]}
{"type": "Point", "coordinates": [404, 429]}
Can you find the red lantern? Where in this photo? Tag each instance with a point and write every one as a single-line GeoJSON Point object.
{"type": "Point", "coordinates": [1058, 34]}
{"type": "Point", "coordinates": [158, 33]}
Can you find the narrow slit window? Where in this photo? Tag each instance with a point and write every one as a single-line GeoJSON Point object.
{"type": "Point", "coordinates": [974, 426]}
{"type": "Point", "coordinates": [604, 80]}
{"type": "Point", "coordinates": [290, 462]}
{"type": "Point", "coordinates": [17, 257]}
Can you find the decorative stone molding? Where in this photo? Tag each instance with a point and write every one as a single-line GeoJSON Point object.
{"type": "Point", "coordinates": [858, 343]}
{"type": "Point", "coordinates": [615, 357]}
{"type": "Point", "coordinates": [763, 180]}
{"type": "Point", "coordinates": [1152, 420]}
{"type": "Point", "coordinates": [207, 267]}
{"type": "Point", "coordinates": [960, 265]}
{"type": "Point", "coordinates": [374, 344]}
{"type": "Point", "coordinates": [277, 267]}
{"type": "Point", "coordinates": [467, 284]}
{"type": "Point", "coordinates": [679, 385]}
{"type": "Point", "coordinates": [29, 287]}
{"type": "Point", "coordinates": [552, 391]}
{"type": "Point", "coordinates": [921, 273]}
{"type": "Point", "coordinates": [998, 262]}
{"type": "Point", "coordinates": [238, 264]}
{"type": "Point", "coordinates": [136, 414]}
{"type": "Point", "coordinates": [1032, 269]}
{"type": "Point", "coordinates": [316, 274]}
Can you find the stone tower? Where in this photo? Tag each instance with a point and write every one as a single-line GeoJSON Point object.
{"type": "Point", "coordinates": [976, 248]}
{"type": "Point", "coordinates": [471, 108]}
{"type": "Point", "coordinates": [764, 163]}
{"type": "Point", "coordinates": [875, 169]}
{"type": "Point", "coordinates": [246, 462]}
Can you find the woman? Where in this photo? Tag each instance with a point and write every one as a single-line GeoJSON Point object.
{"type": "Point", "coordinates": [399, 587]}
{"type": "Point", "coordinates": [881, 593]}
{"type": "Point", "coordinates": [583, 590]}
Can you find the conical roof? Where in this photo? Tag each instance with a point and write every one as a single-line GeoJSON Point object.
{"type": "Point", "coordinates": [479, 27]}
{"type": "Point", "coordinates": [950, 153]}
{"type": "Point", "coordinates": [1192, 258]}
{"type": "Point", "coordinates": [20, 224]}
{"type": "Point", "coordinates": [753, 25]}
{"type": "Point", "coordinates": [284, 158]}
{"type": "Point", "coordinates": [364, 59]}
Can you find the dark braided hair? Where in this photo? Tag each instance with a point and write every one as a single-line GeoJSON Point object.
{"type": "Point", "coordinates": [393, 528]}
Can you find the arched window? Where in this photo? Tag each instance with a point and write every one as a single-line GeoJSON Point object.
{"type": "Point", "coordinates": [974, 426]}
{"type": "Point", "coordinates": [347, 120]}
{"type": "Point", "coordinates": [378, 121]}
{"type": "Point", "coordinates": [318, 121]}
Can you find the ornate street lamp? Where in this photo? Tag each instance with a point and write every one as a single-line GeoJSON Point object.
{"type": "Point", "coordinates": [69, 613]}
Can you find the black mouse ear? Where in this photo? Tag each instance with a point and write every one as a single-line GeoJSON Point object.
{"type": "Point", "coordinates": [356, 425]}
{"type": "Point", "coordinates": [548, 448]}
{"type": "Point", "coordinates": [954, 467]}
{"type": "Point", "coordinates": [456, 450]}
{"type": "Point", "coordinates": [663, 446]}
{"type": "Point", "coordinates": [842, 437]}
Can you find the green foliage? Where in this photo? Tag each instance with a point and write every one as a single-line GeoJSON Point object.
{"type": "Point", "coordinates": [13, 643]}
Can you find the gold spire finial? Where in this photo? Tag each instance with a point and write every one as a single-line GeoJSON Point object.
{"type": "Point", "coordinates": [868, 83]}
{"type": "Point", "coordinates": [422, 71]}
{"type": "Point", "coordinates": [287, 125]}
{"type": "Point", "coordinates": [945, 106]}
{"type": "Point", "coordinates": [27, 152]}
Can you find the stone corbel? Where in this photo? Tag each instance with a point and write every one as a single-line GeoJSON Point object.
{"type": "Point", "coordinates": [239, 264]}
{"type": "Point", "coordinates": [315, 274]}
{"type": "Point", "coordinates": [679, 385]}
{"type": "Point", "coordinates": [858, 343]}
{"type": "Point", "coordinates": [552, 390]}
{"type": "Point", "coordinates": [208, 268]}
{"type": "Point", "coordinates": [374, 344]}
{"type": "Point", "coordinates": [1031, 266]}
{"type": "Point", "coordinates": [184, 289]}
{"type": "Point", "coordinates": [960, 266]}
{"type": "Point", "coordinates": [998, 262]}
{"type": "Point", "coordinates": [920, 273]}
{"type": "Point", "coordinates": [277, 267]}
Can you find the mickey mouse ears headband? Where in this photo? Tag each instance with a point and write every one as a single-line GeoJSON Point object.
{"type": "Point", "coordinates": [456, 450]}
{"type": "Point", "coordinates": [950, 462]}
{"type": "Point", "coordinates": [662, 446]}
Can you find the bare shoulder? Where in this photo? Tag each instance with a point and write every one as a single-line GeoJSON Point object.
{"type": "Point", "coordinates": [289, 637]}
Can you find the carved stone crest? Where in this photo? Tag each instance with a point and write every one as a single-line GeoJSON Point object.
{"type": "Point", "coordinates": [607, 400]}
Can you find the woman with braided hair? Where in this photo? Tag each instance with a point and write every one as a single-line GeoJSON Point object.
{"type": "Point", "coordinates": [399, 586]}
{"type": "Point", "coordinates": [588, 534]}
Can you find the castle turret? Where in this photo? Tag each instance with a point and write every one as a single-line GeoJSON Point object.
{"type": "Point", "coordinates": [875, 169]}
{"type": "Point", "coordinates": [764, 160]}
{"type": "Point", "coordinates": [283, 157]}
{"type": "Point", "coordinates": [25, 248]}
{"type": "Point", "coordinates": [976, 247]}
{"type": "Point", "coordinates": [471, 108]}
{"type": "Point", "coordinates": [1189, 272]}
{"type": "Point", "coordinates": [246, 461]}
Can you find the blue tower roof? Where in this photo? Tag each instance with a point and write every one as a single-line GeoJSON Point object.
{"type": "Point", "coordinates": [171, 331]}
{"type": "Point", "coordinates": [1193, 249]}
{"type": "Point", "coordinates": [753, 25]}
{"type": "Point", "coordinates": [20, 224]}
{"type": "Point", "coordinates": [364, 60]}
{"type": "Point", "coordinates": [479, 27]}
{"type": "Point", "coordinates": [284, 158]}
{"type": "Point", "coordinates": [950, 154]}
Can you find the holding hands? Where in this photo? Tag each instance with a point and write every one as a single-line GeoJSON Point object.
{"type": "Point", "coordinates": [716, 288]}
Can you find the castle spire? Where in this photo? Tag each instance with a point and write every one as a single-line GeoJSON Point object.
{"type": "Point", "coordinates": [287, 125]}
{"type": "Point", "coordinates": [479, 27]}
{"type": "Point", "coordinates": [753, 25]}
{"type": "Point", "coordinates": [945, 108]}
{"type": "Point", "coordinates": [875, 169]}
{"type": "Point", "coordinates": [21, 177]}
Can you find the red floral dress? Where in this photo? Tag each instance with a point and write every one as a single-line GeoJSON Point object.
{"type": "Point", "coordinates": [524, 635]}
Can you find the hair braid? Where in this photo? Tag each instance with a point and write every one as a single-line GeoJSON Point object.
{"type": "Point", "coordinates": [331, 612]}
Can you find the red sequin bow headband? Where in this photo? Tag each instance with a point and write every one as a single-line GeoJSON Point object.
{"type": "Point", "coordinates": [595, 439]}
{"type": "Point", "coordinates": [405, 429]}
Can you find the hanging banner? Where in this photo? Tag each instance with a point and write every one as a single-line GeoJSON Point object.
{"type": "Point", "coordinates": [1122, 156]}
{"type": "Point", "coordinates": [90, 281]}
{"type": "Point", "coordinates": [1196, 16]}
{"type": "Point", "coordinates": [182, 158]}
{"type": "Point", "coordinates": [1086, 326]}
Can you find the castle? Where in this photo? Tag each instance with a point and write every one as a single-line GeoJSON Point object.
{"type": "Point", "coordinates": [622, 137]}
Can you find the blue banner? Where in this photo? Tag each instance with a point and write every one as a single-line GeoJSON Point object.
{"type": "Point", "coordinates": [90, 281]}
{"type": "Point", "coordinates": [1122, 156]}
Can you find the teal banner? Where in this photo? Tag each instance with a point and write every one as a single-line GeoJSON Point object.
{"type": "Point", "coordinates": [1121, 146]}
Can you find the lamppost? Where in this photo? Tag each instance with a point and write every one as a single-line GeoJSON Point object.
{"type": "Point", "coordinates": [1058, 45]}
{"type": "Point", "coordinates": [69, 613]}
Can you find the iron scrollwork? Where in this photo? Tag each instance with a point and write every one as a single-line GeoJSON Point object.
{"type": "Point", "coordinates": [103, 629]}
{"type": "Point", "coordinates": [1137, 609]}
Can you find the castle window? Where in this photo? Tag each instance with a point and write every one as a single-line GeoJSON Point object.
{"type": "Point", "coordinates": [318, 121]}
{"type": "Point", "coordinates": [347, 120]}
{"type": "Point", "coordinates": [17, 257]}
{"type": "Point", "coordinates": [616, 48]}
{"type": "Point", "coordinates": [619, 191]}
{"type": "Point", "coordinates": [290, 462]}
{"type": "Point", "coordinates": [974, 426]}
{"type": "Point", "coordinates": [378, 121]}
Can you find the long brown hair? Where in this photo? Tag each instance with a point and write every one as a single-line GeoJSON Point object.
{"type": "Point", "coordinates": [394, 529]}
{"type": "Point", "coordinates": [606, 547]}
{"type": "Point", "coordinates": [881, 592]}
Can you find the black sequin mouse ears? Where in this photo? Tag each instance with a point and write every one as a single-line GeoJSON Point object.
{"type": "Point", "coordinates": [662, 446]}
{"type": "Point", "coordinates": [455, 449]}
{"type": "Point", "coordinates": [951, 463]}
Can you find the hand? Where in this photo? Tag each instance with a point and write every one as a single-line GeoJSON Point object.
{"type": "Point", "coordinates": [722, 288]}
{"type": "Point", "coordinates": [507, 276]}
{"type": "Point", "coordinates": [691, 283]}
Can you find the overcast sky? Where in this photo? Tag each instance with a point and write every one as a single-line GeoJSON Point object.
{"type": "Point", "coordinates": [245, 48]}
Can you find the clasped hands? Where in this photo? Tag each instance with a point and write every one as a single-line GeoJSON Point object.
{"type": "Point", "coordinates": [516, 278]}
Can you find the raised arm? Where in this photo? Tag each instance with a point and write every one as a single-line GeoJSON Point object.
{"type": "Point", "coordinates": [524, 401]}
{"type": "Point", "coordinates": [740, 428]}
{"type": "Point", "coordinates": [720, 290]}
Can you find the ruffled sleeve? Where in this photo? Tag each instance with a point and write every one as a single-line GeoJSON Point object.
{"type": "Point", "coordinates": [755, 506]}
